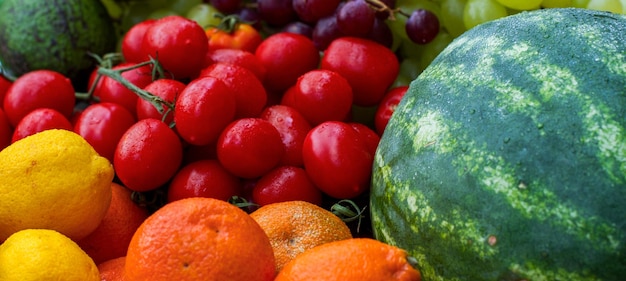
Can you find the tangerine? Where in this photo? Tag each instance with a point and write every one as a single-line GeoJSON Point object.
{"type": "Point", "coordinates": [296, 226]}
{"type": "Point", "coordinates": [113, 269]}
{"type": "Point", "coordinates": [199, 238]}
{"type": "Point", "coordinates": [356, 259]}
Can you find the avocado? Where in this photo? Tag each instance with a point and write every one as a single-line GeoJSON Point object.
{"type": "Point", "coordinates": [55, 35]}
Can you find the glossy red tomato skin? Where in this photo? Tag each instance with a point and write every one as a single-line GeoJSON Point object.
{"type": "Point", "coordinates": [320, 95]}
{"type": "Point", "coordinates": [132, 42]}
{"type": "Point", "coordinates": [38, 120]}
{"type": "Point", "coordinates": [285, 183]}
{"type": "Point", "coordinates": [370, 136]}
{"type": "Point", "coordinates": [204, 178]}
{"type": "Point", "coordinates": [250, 147]}
{"type": "Point", "coordinates": [203, 109]}
{"type": "Point", "coordinates": [147, 155]}
{"type": "Point", "coordinates": [387, 107]}
{"type": "Point", "coordinates": [6, 131]}
{"type": "Point", "coordinates": [165, 88]}
{"type": "Point", "coordinates": [102, 125]}
{"type": "Point", "coordinates": [238, 57]}
{"type": "Point", "coordinates": [4, 86]}
{"type": "Point", "coordinates": [337, 159]}
{"type": "Point", "coordinates": [250, 95]}
{"type": "Point", "coordinates": [369, 67]}
{"type": "Point", "coordinates": [109, 90]}
{"type": "Point", "coordinates": [286, 56]}
{"type": "Point", "coordinates": [292, 127]}
{"type": "Point", "coordinates": [178, 43]}
{"type": "Point", "coordinates": [39, 89]}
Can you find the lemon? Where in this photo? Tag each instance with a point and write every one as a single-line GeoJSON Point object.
{"type": "Point", "coordinates": [44, 254]}
{"type": "Point", "coordinates": [53, 180]}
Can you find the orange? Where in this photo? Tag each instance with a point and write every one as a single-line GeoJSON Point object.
{"type": "Point", "coordinates": [356, 259]}
{"type": "Point", "coordinates": [199, 239]}
{"type": "Point", "coordinates": [112, 270]}
{"type": "Point", "coordinates": [295, 226]}
{"type": "Point", "coordinates": [111, 238]}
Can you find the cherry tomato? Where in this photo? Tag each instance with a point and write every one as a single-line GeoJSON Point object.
{"type": "Point", "coordinates": [286, 56]}
{"type": "Point", "coordinates": [292, 127]}
{"type": "Point", "coordinates": [370, 136]}
{"type": "Point", "coordinates": [6, 131]}
{"type": "Point", "coordinates": [179, 44]}
{"type": "Point", "coordinates": [250, 95]}
{"type": "Point", "coordinates": [238, 57]}
{"type": "Point", "coordinates": [240, 36]}
{"type": "Point", "coordinates": [109, 90]}
{"type": "Point", "coordinates": [38, 120]}
{"type": "Point", "coordinates": [285, 183]}
{"type": "Point", "coordinates": [148, 155]}
{"type": "Point", "coordinates": [320, 95]}
{"type": "Point", "coordinates": [250, 147]}
{"type": "Point", "coordinates": [132, 42]}
{"type": "Point", "coordinates": [204, 178]}
{"type": "Point", "coordinates": [4, 87]}
{"type": "Point", "coordinates": [39, 89]}
{"type": "Point", "coordinates": [387, 107]}
{"type": "Point", "coordinates": [369, 67]}
{"type": "Point", "coordinates": [337, 159]}
{"type": "Point", "coordinates": [102, 125]}
{"type": "Point", "coordinates": [203, 109]}
{"type": "Point", "coordinates": [166, 89]}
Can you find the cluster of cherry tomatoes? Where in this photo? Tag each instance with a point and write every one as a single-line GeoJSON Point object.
{"type": "Point", "coordinates": [268, 119]}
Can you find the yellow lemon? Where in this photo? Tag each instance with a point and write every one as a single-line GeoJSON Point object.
{"type": "Point", "coordinates": [53, 180]}
{"type": "Point", "coordinates": [44, 254]}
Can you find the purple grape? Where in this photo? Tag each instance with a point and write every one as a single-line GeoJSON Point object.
{"type": "Point", "coordinates": [325, 31]}
{"type": "Point", "coordinates": [422, 26]}
{"type": "Point", "coordinates": [299, 28]}
{"type": "Point", "coordinates": [311, 11]}
{"type": "Point", "coordinates": [355, 18]}
{"type": "Point", "coordinates": [226, 6]}
{"type": "Point", "coordinates": [381, 33]}
{"type": "Point", "coordinates": [276, 12]}
{"type": "Point", "coordinates": [391, 4]}
{"type": "Point", "coordinates": [251, 16]}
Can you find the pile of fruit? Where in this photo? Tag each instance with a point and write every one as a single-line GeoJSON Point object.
{"type": "Point", "coordinates": [240, 140]}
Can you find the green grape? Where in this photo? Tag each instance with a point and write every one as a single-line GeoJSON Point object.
{"type": "Point", "coordinates": [480, 11]}
{"type": "Point", "coordinates": [409, 70]}
{"type": "Point", "coordinates": [556, 3]}
{"type": "Point", "coordinates": [521, 5]}
{"type": "Point", "coordinates": [580, 3]}
{"type": "Point", "coordinates": [204, 14]}
{"type": "Point", "coordinates": [181, 7]}
{"type": "Point", "coordinates": [432, 49]}
{"type": "Point", "coordinates": [135, 13]}
{"type": "Point", "coordinates": [452, 16]}
{"type": "Point", "coordinates": [614, 6]}
{"type": "Point", "coordinates": [161, 13]}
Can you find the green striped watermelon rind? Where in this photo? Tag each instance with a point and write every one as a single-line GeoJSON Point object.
{"type": "Point", "coordinates": [506, 160]}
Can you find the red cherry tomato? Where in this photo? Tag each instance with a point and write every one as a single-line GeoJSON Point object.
{"type": "Point", "coordinates": [4, 87]}
{"type": "Point", "coordinates": [286, 56]}
{"type": "Point", "coordinates": [238, 57]}
{"type": "Point", "coordinates": [132, 42]}
{"type": "Point", "coordinates": [370, 136]}
{"type": "Point", "coordinates": [369, 67]}
{"type": "Point", "coordinates": [109, 90]}
{"type": "Point", "coordinates": [102, 125]}
{"type": "Point", "coordinates": [285, 183]}
{"type": "Point", "coordinates": [203, 109]}
{"type": "Point", "coordinates": [292, 127]}
{"type": "Point", "coordinates": [6, 131]}
{"type": "Point", "coordinates": [204, 178]}
{"type": "Point", "coordinates": [249, 93]}
{"type": "Point", "coordinates": [179, 44]}
{"type": "Point", "coordinates": [250, 147]}
{"type": "Point", "coordinates": [148, 155]}
{"type": "Point", "coordinates": [387, 107]}
{"type": "Point", "coordinates": [337, 159]}
{"type": "Point", "coordinates": [166, 89]}
{"type": "Point", "coordinates": [38, 120]}
{"type": "Point", "coordinates": [321, 95]}
{"type": "Point", "coordinates": [39, 89]}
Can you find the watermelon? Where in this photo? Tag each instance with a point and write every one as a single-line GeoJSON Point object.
{"type": "Point", "coordinates": [506, 159]}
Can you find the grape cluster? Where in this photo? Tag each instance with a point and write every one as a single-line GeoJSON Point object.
{"type": "Point", "coordinates": [417, 30]}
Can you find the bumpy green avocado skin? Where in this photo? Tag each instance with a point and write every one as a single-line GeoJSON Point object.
{"type": "Point", "coordinates": [55, 35]}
